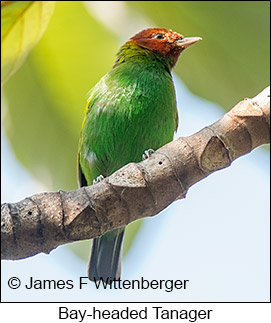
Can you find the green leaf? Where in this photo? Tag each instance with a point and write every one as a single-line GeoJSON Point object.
{"type": "Point", "coordinates": [22, 25]}
{"type": "Point", "coordinates": [130, 233]}
{"type": "Point", "coordinates": [232, 60]}
{"type": "Point", "coordinates": [47, 96]}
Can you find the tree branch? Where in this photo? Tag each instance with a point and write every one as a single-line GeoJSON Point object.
{"type": "Point", "coordinates": [44, 221]}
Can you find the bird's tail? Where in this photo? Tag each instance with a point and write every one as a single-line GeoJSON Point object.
{"type": "Point", "coordinates": [105, 258]}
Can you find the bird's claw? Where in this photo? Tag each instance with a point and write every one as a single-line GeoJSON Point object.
{"type": "Point", "coordinates": [147, 154]}
{"type": "Point", "coordinates": [98, 179]}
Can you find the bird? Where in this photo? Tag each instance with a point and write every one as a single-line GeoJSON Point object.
{"type": "Point", "coordinates": [131, 110]}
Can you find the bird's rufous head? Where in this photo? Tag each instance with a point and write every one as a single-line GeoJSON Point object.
{"type": "Point", "coordinates": [164, 41]}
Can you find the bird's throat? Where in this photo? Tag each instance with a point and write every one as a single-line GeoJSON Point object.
{"type": "Point", "coordinates": [131, 51]}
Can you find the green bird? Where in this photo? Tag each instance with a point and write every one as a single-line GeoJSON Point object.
{"type": "Point", "coordinates": [131, 109]}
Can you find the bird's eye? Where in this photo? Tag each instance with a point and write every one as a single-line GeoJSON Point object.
{"type": "Point", "coordinates": [159, 36]}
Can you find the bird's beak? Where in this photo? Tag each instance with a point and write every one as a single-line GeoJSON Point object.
{"type": "Point", "coordinates": [186, 42]}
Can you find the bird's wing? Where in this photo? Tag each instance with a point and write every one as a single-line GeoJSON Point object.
{"type": "Point", "coordinates": [80, 176]}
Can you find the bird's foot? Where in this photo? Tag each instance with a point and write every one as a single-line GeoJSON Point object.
{"type": "Point", "coordinates": [147, 153]}
{"type": "Point", "coordinates": [98, 179]}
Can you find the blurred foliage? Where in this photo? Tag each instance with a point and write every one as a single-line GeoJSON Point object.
{"type": "Point", "coordinates": [22, 25]}
{"type": "Point", "coordinates": [47, 95]}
